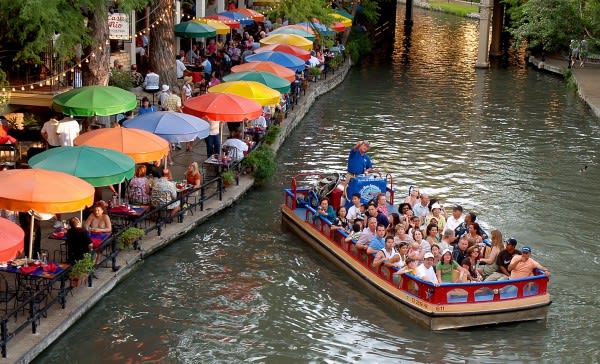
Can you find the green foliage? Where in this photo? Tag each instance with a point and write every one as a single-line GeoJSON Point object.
{"type": "Point", "coordinates": [120, 79]}
{"type": "Point", "coordinates": [262, 161]}
{"type": "Point", "coordinates": [370, 10]}
{"type": "Point", "coordinates": [228, 177]}
{"type": "Point", "coordinates": [298, 11]}
{"type": "Point", "coordinates": [458, 9]}
{"type": "Point", "coordinates": [129, 236]}
{"type": "Point", "coordinates": [83, 266]}
{"type": "Point", "coordinates": [358, 45]}
{"type": "Point", "coordinates": [314, 71]}
{"type": "Point", "coordinates": [272, 134]}
{"type": "Point", "coordinates": [4, 96]}
{"type": "Point", "coordinates": [30, 120]}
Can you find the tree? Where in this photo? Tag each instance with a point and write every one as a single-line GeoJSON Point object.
{"type": "Point", "coordinates": [162, 47]}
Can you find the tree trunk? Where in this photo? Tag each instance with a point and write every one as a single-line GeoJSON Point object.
{"type": "Point", "coordinates": [97, 71]}
{"type": "Point", "coordinates": [162, 46]}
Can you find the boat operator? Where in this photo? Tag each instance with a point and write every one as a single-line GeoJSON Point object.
{"type": "Point", "coordinates": [358, 160]}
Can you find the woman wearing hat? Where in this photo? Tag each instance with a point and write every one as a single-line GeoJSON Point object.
{"type": "Point", "coordinates": [187, 88]}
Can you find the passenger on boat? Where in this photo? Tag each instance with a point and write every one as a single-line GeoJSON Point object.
{"type": "Point", "coordinates": [413, 196]}
{"type": "Point", "coordinates": [325, 210]}
{"type": "Point", "coordinates": [437, 254]}
{"type": "Point", "coordinates": [401, 234]}
{"type": "Point", "coordinates": [367, 234]}
{"type": "Point", "coordinates": [473, 233]}
{"type": "Point", "coordinates": [473, 255]}
{"type": "Point", "coordinates": [421, 208]}
{"type": "Point", "coordinates": [488, 263]}
{"type": "Point", "coordinates": [403, 254]}
{"type": "Point", "coordinates": [446, 267]}
{"type": "Point", "coordinates": [358, 160]}
{"type": "Point", "coordinates": [425, 270]}
{"type": "Point", "coordinates": [404, 209]}
{"type": "Point", "coordinates": [382, 204]}
{"type": "Point", "coordinates": [447, 239]}
{"type": "Point", "coordinates": [354, 212]}
{"type": "Point", "coordinates": [341, 222]}
{"type": "Point", "coordinates": [460, 251]}
{"type": "Point", "coordinates": [462, 229]}
{"type": "Point", "coordinates": [394, 220]}
{"type": "Point", "coordinates": [431, 234]}
{"type": "Point", "coordinates": [423, 244]}
{"type": "Point", "coordinates": [523, 266]}
{"type": "Point", "coordinates": [467, 275]}
{"type": "Point", "coordinates": [387, 256]}
{"type": "Point", "coordinates": [381, 218]}
{"type": "Point", "coordinates": [415, 251]}
{"type": "Point", "coordinates": [455, 219]}
{"type": "Point", "coordinates": [437, 213]}
{"type": "Point", "coordinates": [503, 260]}
{"type": "Point", "coordinates": [378, 241]}
{"type": "Point", "coordinates": [355, 233]}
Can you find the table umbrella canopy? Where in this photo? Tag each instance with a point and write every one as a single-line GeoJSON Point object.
{"type": "Point", "coordinates": [140, 145]}
{"type": "Point", "coordinates": [97, 166]}
{"type": "Point", "coordinates": [290, 39]}
{"type": "Point", "coordinates": [322, 29]}
{"type": "Point", "coordinates": [220, 27]}
{"type": "Point", "coordinates": [222, 107]}
{"type": "Point", "coordinates": [254, 15]}
{"type": "Point", "coordinates": [338, 27]}
{"type": "Point", "coordinates": [251, 90]}
{"type": "Point", "coordinates": [266, 66]}
{"type": "Point", "coordinates": [194, 29]}
{"type": "Point", "coordinates": [175, 127]}
{"type": "Point", "coordinates": [344, 13]}
{"type": "Point", "coordinates": [43, 191]}
{"type": "Point", "coordinates": [268, 79]}
{"type": "Point", "coordinates": [232, 23]}
{"type": "Point", "coordinates": [296, 31]}
{"type": "Point", "coordinates": [347, 22]}
{"type": "Point", "coordinates": [95, 100]}
{"type": "Point", "coordinates": [11, 240]}
{"type": "Point", "coordinates": [243, 19]}
{"type": "Point", "coordinates": [284, 59]}
{"type": "Point", "coordinates": [294, 51]}
{"type": "Point", "coordinates": [306, 27]}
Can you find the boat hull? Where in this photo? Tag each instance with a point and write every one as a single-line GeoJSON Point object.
{"type": "Point", "coordinates": [435, 317]}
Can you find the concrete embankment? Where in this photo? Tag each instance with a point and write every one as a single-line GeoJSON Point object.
{"type": "Point", "coordinates": [25, 346]}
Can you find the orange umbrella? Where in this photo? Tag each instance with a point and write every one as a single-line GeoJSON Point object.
{"type": "Point", "coordinates": [11, 240]}
{"type": "Point", "coordinates": [266, 66]}
{"type": "Point", "coordinates": [294, 51]}
{"type": "Point", "coordinates": [139, 144]}
{"type": "Point", "coordinates": [222, 107]}
{"type": "Point", "coordinates": [338, 27]}
{"type": "Point", "coordinates": [43, 191]}
{"type": "Point", "coordinates": [254, 15]}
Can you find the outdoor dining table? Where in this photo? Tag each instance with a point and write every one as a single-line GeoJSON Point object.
{"type": "Point", "coordinates": [125, 215]}
{"type": "Point", "coordinates": [219, 162]}
{"type": "Point", "coordinates": [97, 238]}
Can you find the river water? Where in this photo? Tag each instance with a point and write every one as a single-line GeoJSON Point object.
{"type": "Point", "coordinates": [508, 143]}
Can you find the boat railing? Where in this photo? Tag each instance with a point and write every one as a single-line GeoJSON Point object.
{"type": "Point", "coordinates": [443, 294]}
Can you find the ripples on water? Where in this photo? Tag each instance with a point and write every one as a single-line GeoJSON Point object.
{"type": "Point", "coordinates": [505, 143]}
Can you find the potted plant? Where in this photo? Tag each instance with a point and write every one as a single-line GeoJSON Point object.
{"type": "Point", "coordinates": [262, 162]}
{"type": "Point", "coordinates": [81, 269]}
{"type": "Point", "coordinates": [129, 237]}
{"type": "Point", "coordinates": [272, 134]}
{"type": "Point", "coordinates": [228, 177]}
{"type": "Point", "coordinates": [315, 72]}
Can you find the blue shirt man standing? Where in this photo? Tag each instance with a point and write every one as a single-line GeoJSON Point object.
{"type": "Point", "coordinates": [358, 160]}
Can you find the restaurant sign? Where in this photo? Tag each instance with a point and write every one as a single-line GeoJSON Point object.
{"type": "Point", "coordinates": [118, 26]}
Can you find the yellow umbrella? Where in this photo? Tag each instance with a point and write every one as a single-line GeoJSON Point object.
{"type": "Point", "coordinates": [342, 19]}
{"type": "Point", "coordinates": [251, 90]}
{"type": "Point", "coordinates": [220, 27]}
{"type": "Point", "coordinates": [289, 39]}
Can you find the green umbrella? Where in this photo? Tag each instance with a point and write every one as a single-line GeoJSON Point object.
{"type": "Point", "coordinates": [294, 31]}
{"type": "Point", "coordinates": [192, 29]}
{"type": "Point", "coordinates": [97, 166]}
{"type": "Point", "coordinates": [95, 100]}
{"type": "Point", "coordinates": [266, 78]}
{"type": "Point", "coordinates": [344, 13]}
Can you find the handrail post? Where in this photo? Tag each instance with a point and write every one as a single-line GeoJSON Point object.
{"type": "Point", "coordinates": [202, 197]}
{"type": "Point", "coordinates": [4, 334]}
{"type": "Point", "coordinates": [220, 188]}
{"type": "Point", "coordinates": [32, 316]}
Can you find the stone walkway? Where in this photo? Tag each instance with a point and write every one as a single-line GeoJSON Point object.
{"type": "Point", "coordinates": [25, 346]}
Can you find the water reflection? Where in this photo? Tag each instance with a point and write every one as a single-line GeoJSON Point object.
{"type": "Point", "coordinates": [505, 143]}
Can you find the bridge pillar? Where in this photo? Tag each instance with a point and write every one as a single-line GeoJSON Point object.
{"type": "Point", "coordinates": [408, 21]}
{"type": "Point", "coordinates": [484, 34]}
{"type": "Point", "coordinates": [497, 24]}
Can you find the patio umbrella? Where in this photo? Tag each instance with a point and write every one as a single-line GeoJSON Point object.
{"type": "Point", "coordinates": [175, 127]}
{"type": "Point", "coordinates": [294, 51]}
{"type": "Point", "coordinates": [290, 39]}
{"type": "Point", "coordinates": [249, 89]}
{"type": "Point", "coordinates": [307, 28]}
{"type": "Point", "coordinates": [338, 27]}
{"type": "Point", "coordinates": [222, 107]}
{"type": "Point", "coordinates": [254, 15]}
{"type": "Point", "coordinates": [344, 13]}
{"type": "Point", "coordinates": [296, 31]}
{"type": "Point", "coordinates": [232, 23]}
{"type": "Point", "coordinates": [266, 66]}
{"type": "Point", "coordinates": [11, 240]}
{"type": "Point", "coordinates": [322, 29]}
{"type": "Point", "coordinates": [140, 145]}
{"type": "Point", "coordinates": [243, 19]}
{"type": "Point", "coordinates": [95, 100]}
{"type": "Point", "coordinates": [220, 27]}
{"type": "Point", "coordinates": [284, 59]}
{"type": "Point", "coordinates": [347, 22]}
{"type": "Point", "coordinates": [38, 190]}
{"type": "Point", "coordinates": [268, 79]}
{"type": "Point", "coordinates": [194, 29]}
{"type": "Point", "coordinates": [97, 166]}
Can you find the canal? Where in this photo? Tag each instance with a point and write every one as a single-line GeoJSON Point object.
{"type": "Point", "coordinates": [508, 143]}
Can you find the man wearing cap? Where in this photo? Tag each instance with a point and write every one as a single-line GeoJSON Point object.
{"type": "Point", "coordinates": [358, 160]}
{"type": "Point", "coordinates": [503, 261]}
{"type": "Point", "coordinates": [523, 266]}
{"type": "Point", "coordinates": [425, 270]}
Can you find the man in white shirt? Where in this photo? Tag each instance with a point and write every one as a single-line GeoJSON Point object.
{"type": "Point", "coordinates": [425, 270]}
{"type": "Point", "coordinates": [179, 67]}
{"type": "Point", "coordinates": [151, 82]}
{"type": "Point", "coordinates": [67, 130]}
{"type": "Point", "coordinates": [456, 219]}
{"type": "Point", "coordinates": [421, 207]}
{"type": "Point", "coordinates": [49, 132]}
{"type": "Point", "coordinates": [239, 145]}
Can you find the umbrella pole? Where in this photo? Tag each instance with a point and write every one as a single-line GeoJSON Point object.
{"type": "Point", "coordinates": [31, 235]}
{"type": "Point", "coordinates": [221, 144]}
